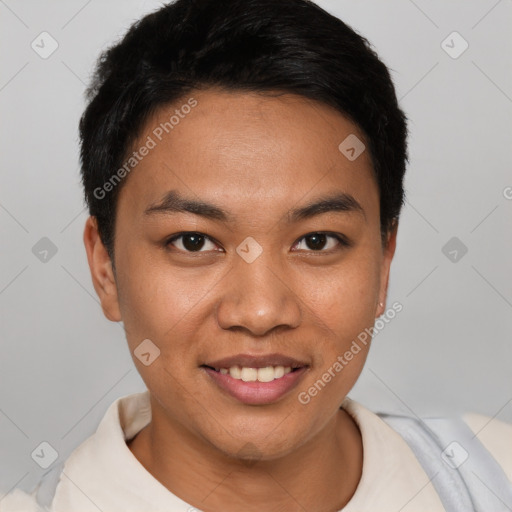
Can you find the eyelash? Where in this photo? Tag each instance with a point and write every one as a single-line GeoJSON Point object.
{"type": "Point", "coordinates": [341, 239]}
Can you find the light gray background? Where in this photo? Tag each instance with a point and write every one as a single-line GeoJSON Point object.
{"type": "Point", "coordinates": [62, 363]}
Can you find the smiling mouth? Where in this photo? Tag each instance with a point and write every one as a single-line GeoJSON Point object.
{"type": "Point", "coordinates": [256, 386]}
{"type": "Point", "coordinates": [249, 374]}
{"type": "Point", "coordinates": [256, 379]}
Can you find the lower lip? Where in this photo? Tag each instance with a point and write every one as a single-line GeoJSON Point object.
{"type": "Point", "coordinates": [256, 393]}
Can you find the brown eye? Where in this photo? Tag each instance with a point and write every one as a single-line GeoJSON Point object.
{"type": "Point", "coordinates": [321, 242]}
{"type": "Point", "coordinates": [191, 242]}
{"type": "Point", "coordinates": [316, 242]}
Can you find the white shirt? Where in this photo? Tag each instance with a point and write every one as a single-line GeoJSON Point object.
{"type": "Point", "coordinates": [103, 474]}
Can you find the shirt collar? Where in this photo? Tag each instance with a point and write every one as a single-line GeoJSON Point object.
{"type": "Point", "coordinates": [102, 473]}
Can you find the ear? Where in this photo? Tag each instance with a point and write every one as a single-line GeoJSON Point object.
{"type": "Point", "coordinates": [102, 274]}
{"type": "Point", "coordinates": [388, 253]}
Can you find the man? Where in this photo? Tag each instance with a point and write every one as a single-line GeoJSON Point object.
{"type": "Point", "coordinates": [243, 163]}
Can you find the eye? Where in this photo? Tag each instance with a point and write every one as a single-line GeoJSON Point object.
{"type": "Point", "coordinates": [191, 242]}
{"type": "Point", "coordinates": [322, 242]}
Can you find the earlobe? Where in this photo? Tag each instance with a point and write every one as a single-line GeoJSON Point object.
{"type": "Point", "coordinates": [102, 273]}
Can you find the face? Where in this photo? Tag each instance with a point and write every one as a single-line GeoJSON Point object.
{"type": "Point", "coordinates": [246, 235]}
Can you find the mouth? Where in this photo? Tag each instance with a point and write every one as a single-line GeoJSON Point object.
{"type": "Point", "coordinates": [256, 380]}
{"type": "Point", "coordinates": [249, 374]}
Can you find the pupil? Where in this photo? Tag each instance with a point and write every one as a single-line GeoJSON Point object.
{"type": "Point", "coordinates": [316, 241]}
{"type": "Point", "coordinates": [193, 242]}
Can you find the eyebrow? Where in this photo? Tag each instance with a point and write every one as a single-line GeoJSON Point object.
{"type": "Point", "coordinates": [173, 202]}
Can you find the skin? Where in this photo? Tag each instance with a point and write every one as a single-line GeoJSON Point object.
{"type": "Point", "coordinates": [256, 157]}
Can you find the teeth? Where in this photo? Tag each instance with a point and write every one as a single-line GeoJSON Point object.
{"type": "Point", "coordinates": [267, 374]}
{"type": "Point", "coordinates": [279, 372]}
{"type": "Point", "coordinates": [235, 372]}
{"type": "Point", "coordinates": [249, 374]}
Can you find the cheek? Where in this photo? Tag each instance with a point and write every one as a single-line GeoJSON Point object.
{"type": "Point", "coordinates": [151, 300]}
{"type": "Point", "coordinates": [150, 293]}
{"type": "Point", "coordinates": [155, 307]}
{"type": "Point", "coordinates": [345, 299]}
{"type": "Point", "coordinates": [343, 306]}
{"type": "Point", "coordinates": [168, 305]}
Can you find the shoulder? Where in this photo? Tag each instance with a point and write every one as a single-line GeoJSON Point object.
{"type": "Point", "coordinates": [20, 501]}
{"type": "Point", "coordinates": [495, 435]}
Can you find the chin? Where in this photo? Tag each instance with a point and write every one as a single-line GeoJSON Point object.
{"type": "Point", "coordinates": [255, 449]}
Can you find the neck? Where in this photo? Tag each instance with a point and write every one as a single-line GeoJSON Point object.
{"type": "Point", "coordinates": [321, 475]}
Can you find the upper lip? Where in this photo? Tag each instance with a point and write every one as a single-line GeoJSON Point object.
{"type": "Point", "coordinates": [251, 361]}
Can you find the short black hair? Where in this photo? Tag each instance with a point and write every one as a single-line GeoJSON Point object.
{"type": "Point", "coordinates": [262, 46]}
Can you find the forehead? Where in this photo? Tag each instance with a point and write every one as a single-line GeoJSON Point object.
{"type": "Point", "coordinates": [235, 147]}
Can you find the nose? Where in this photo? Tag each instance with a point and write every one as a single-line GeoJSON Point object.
{"type": "Point", "coordinates": [258, 298]}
